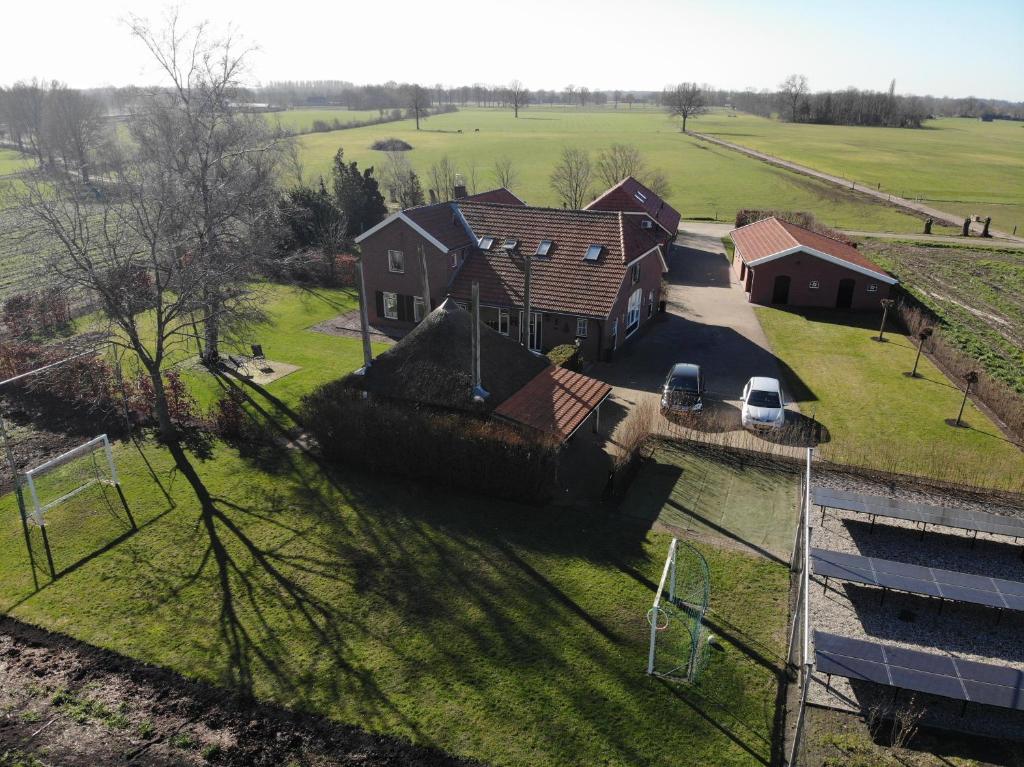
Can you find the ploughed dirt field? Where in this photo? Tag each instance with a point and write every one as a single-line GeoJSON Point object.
{"type": "Point", "coordinates": [978, 292]}
{"type": "Point", "coordinates": [65, 703]}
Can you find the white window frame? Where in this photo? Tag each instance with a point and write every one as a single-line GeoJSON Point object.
{"type": "Point", "coordinates": [581, 327]}
{"type": "Point", "coordinates": [503, 321]}
{"type": "Point", "coordinates": [455, 259]}
{"type": "Point", "coordinates": [650, 303]}
{"type": "Point", "coordinates": [418, 308]}
{"type": "Point", "coordinates": [536, 336]}
{"type": "Point", "coordinates": [392, 262]}
{"type": "Point", "coordinates": [392, 299]}
{"type": "Point", "coordinates": [636, 300]}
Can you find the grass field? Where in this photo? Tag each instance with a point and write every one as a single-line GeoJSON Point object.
{"type": "Point", "coordinates": [12, 162]}
{"type": "Point", "coordinates": [512, 634]}
{"type": "Point", "coordinates": [303, 119]}
{"type": "Point", "coordinates": [977, 293]}
{"type": "Point", "coordinates": [875, 415]}
{"type": "Point", "coordinates": [960, 165]}
{"type": "Point", "coordinates": [706, 181]}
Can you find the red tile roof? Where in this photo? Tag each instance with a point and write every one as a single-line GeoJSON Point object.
{"type": "Point", "coordinates": [556, 401]}
{"type": "Point", "coordinates": [771, 237]}
{"type": "Point", "coordinates": [499, 196]}
{"type": "Point", "coordinates": [630, 195]}
{"type": "Point", "coordinates": [442, 222]}
{"type": "Point", "coordinates": [562, 281]}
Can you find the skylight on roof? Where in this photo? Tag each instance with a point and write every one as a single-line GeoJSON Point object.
{"type": "Point", "coordinates": [511, 244]}
{"type": "Point", "coordinates": [544, 248]}
{"type": "Point", "coordinates": [640, 196]}
{"type": "Point", "coordinates": [486, 243]}
{"type": "Point", "coordinates": [593, 253]}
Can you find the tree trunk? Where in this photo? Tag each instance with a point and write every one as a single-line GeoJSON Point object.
{"type": "Point", "coordinates": [163, 416]}
{"type": "Point", "coordinates": [684, 124]}
{"type": "Point", "coordinates": [211, 331]}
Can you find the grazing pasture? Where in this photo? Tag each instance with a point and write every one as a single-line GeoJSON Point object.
{"type": "Point", "coordinates": [707, 181]}
{"type": "Point", "coordinates": [301, 120]}
{"type": "Point", "coordinates": [960, 165]}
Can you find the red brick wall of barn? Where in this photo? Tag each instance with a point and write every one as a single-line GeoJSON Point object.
{"type": "Point", "coordinates": [400, 236]}
{"type": "Point", "coordinates": [802, 269]}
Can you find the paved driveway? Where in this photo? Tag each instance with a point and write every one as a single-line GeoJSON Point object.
{"type": "Point", "coordinates": [707, 321]}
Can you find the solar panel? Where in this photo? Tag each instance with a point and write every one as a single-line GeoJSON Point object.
{"type": "Point", "coordinates": [917, 579]}
{"type": "Point", "coordinates": [880, 506]}
{"type": "Point", "coordinates": [919, 671]}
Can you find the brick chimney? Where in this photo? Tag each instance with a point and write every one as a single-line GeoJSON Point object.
{"type": "Point", "coordinates": [459, 190]}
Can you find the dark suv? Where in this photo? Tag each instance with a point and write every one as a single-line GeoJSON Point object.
{"type": "Point", "coordinates": [684, 390]}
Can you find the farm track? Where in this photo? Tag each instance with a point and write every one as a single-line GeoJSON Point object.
{"type": "Point", "coordinates": [909, 206]}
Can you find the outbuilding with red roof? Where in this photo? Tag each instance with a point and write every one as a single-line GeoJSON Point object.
{"type": "Point", "coordinates": [780, 263]}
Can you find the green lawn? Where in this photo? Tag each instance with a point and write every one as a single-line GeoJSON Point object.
{"type": "Point", "coordinates": [874, 414]}
{"type": "Point", "coordinates": [961, 165]}
{"type": "Point", "coordinates": [697, 488]}
{"type": "Point", "coordinates": [512, 634]}
{"type": "Point", "coordinates": [706, 181]}
{"type": "Point", "coordinates": [12, 161]}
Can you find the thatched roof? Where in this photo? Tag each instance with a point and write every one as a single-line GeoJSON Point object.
{"type": "Point", "coordinates": [432, 364]}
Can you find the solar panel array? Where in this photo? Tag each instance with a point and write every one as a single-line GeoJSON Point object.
{"type": "Point", "coordinates": [930, 581]}
{"type": "Point", "coordinates": [880, 506]}
{"type": "Point", "coordinates": [919, 671]}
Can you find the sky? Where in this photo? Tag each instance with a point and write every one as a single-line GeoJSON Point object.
{"type": "Point", "coordinates": [935, 47]}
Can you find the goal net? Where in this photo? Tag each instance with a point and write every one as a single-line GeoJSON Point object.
{"type": "Point", "coordinates": [678, 636]}
{"type": "Point", "coordinates": [68, 475]}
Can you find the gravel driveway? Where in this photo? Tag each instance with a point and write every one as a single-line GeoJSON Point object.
{"type": "Point", "coordinates": [708, 321]}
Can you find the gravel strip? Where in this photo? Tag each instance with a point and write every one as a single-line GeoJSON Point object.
{"type": "Point", "coordinates": [915, 622]}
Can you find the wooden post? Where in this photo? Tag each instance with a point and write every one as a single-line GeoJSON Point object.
{"type": "Point", "coordinates": [971, 378]}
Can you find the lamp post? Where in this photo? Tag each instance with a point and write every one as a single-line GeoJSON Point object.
{"type": "Point", "coordinates": [923, 335]}
{"type": "Point", "coordinates": [971, 378]}
{"type": "Point", "coordinates": [887, 304]}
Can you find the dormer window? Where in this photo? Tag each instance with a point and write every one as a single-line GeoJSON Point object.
{"type": "Point", "coordinates": [486, 243]}
{"type": "Point", "coordinates": [544, 248]}
{"type": "Point", "coordinates": [593, 253]}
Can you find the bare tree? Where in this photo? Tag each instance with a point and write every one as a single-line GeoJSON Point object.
{"type": "Point", "coordinates": [572, 178]}
{"type": "Point", "coordinates": [224, 161]}
{"type": "Point", "coordinates": [505, 173]}
{"type": "Point", "coordinates": [442, 178]}
{"type": "Point", "coordinates": [401, 180]}
{"type": "Point", "coordinates": [684, 100]}
{"type": "Point", "coordinates": [792, 91]}
{"type": "Point", "coordinates": [619, 161]}
{"type": "Point", "coordinates": [472, 176]}
{"type": "Point", "coordinates": [75, 125]}
{"type": "Point", "coordinates": [584, 94]}
{"type": "Point", "coordinates": [518, 96]}
{"type": "Point", "coordinates": [630, 99]}
{"type": "Point", "coordinates": [657, 182]}
{"type": "Point", "coordinates": [418, 102]}
{"type": "Point", "coordinates": [126, 250]}
{"type": "Point", "coordinates": [26, 106]}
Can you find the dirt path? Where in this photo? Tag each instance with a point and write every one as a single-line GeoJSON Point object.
{"type": "Point", "coordinates": [66, 703]}
{"type": "Point", "coordinates": [908, 205]}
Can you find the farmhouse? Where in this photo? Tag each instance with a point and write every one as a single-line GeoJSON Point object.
{"type": "Point", "coordinates": [592, 276]}
{"type": "Point", "coordinates": [787, 265]}
{"type": "Point", "coordinates": [434, 366]}
{"type": "Point", "coordinates": [633, 198]}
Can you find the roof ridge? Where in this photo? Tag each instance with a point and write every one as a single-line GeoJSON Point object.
{"type": "Point", "coordinates": [542, 208]}
{"type": "Point", "coordinates": [812, 231]}
{"type": "Point", "coordinates": [622, 238]}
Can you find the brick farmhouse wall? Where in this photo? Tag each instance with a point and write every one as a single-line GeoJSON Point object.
{"type": "Point", "coordinates": [802, 269]}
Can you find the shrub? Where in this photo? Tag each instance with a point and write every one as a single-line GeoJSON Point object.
{"type": "Point", "coordinates": [565, 356]}
{"type": "Point", "coordinates": [43, 313]}
{"type": "Point", "coordinates": [398, 438]}
{"type": "Point", "coordinates": [391, 145]}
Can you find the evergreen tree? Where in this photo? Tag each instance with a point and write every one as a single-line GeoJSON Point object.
{"type": "Point", "coordinates": [358, 195]}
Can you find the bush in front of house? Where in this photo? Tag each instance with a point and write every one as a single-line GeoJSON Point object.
{"type": "Point", "coordinates": [565, 356]}
{"type": "Point", "coordinates": [443, 448]}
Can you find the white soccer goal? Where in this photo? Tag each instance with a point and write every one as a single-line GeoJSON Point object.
{"type": "Point", "coordinates": [678, 635]}
{"type": "Point", "coordinates": [62, 478]}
